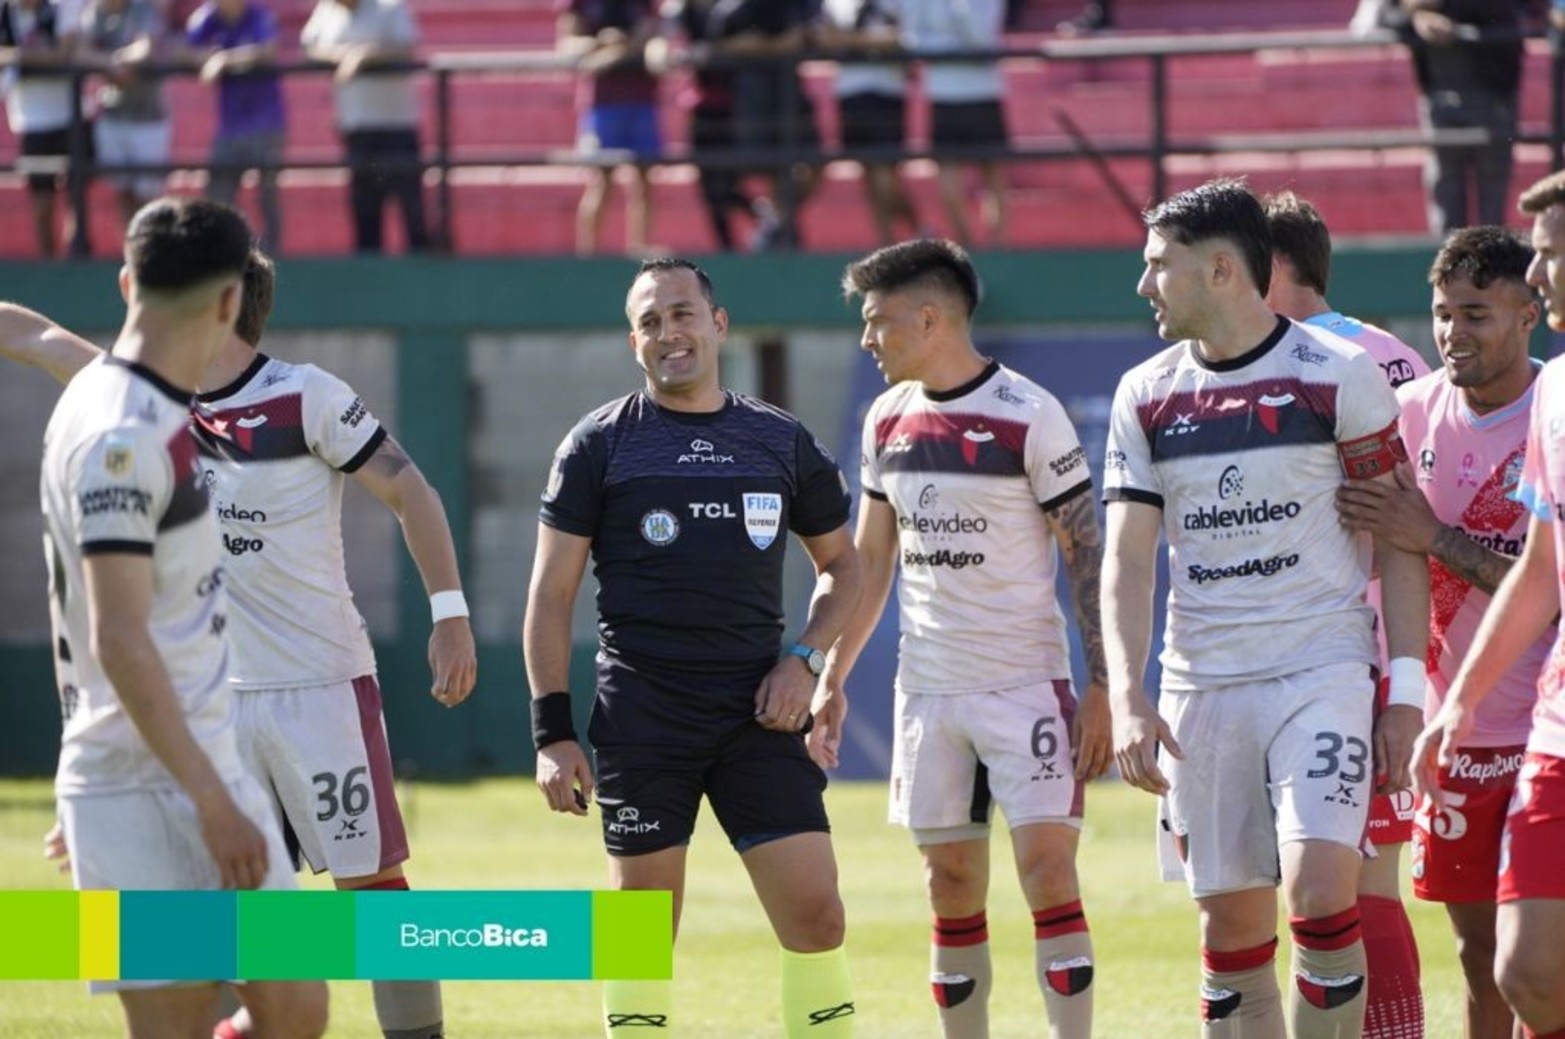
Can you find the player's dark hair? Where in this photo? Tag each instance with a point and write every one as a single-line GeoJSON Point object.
{"type": "Point", "coordinates": [1550, 191]}
{"type": "Point", "coordinates": [255, 301]}
{"type": "Point", "coordinates": [1299, 236]}
{"type": "Point", "coordinates": [174, 244]}
{"type": "Point", "coordinates": [1222, 208]}
{"type": "Point", "coordinates": [1482, 255]}
{"type": "Point", "coordinates": [933, 261]}
{"type": "Point", "coordinates": [665, 264]}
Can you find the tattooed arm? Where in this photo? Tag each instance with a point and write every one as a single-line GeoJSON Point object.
{"type": "Point", "coordinates": [391, 476]}
{"type": "Point", "coordinates": [1074, 525]}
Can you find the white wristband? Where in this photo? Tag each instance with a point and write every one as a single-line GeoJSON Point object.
{"type": "Point", "coordinates": [1407, 683]}
{"type": "Point", "coordinates": [445, 605]}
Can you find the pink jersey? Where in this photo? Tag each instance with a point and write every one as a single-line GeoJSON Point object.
{"type": "Point", "coordinates": [1468, 466]}
{"type": "Point", "coordinates": [1400, 362]}
{"type": "Point", "coordinates": [1542, 489]}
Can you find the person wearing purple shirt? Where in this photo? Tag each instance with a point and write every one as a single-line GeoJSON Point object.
{"type": "Point", "coordinates": [237, 40]}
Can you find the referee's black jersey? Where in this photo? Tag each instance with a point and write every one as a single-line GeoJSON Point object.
{"type": "Point", "coordinates": [689, 517]}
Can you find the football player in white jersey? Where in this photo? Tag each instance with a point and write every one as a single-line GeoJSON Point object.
{"type": "Point", "coordinates": [1231, 444]}
{"type": "Point", "coordinates": [974, 485]}
{"type": "Point", "coordinates": [1301, 272]}
{"type": "Point", "coordinates": [278, 439]}
{"type": "Point", "coordinates": [153, 793]}
{"type": "Point", "coordinates": [1529, 956]}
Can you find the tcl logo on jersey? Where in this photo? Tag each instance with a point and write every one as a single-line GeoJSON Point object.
{"type": "Point", "coordinates": [712, 510]}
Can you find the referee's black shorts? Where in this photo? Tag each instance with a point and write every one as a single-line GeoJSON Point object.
{"type": "Point", "coordinates": [664, 738]}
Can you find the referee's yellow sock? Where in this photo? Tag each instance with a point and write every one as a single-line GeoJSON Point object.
{"type": "Point", "coordinates": [637, 1004]}
{"type": "Point", "coordinates": [817, 995]}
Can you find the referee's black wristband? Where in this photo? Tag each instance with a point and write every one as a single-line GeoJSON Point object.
{"type": "Point", "coordinates": [552, 721]}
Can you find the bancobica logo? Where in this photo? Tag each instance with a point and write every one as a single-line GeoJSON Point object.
{"type": "Point", "coordinates": [659, 527]}
{"type": "Point", "coordinates": [704, 452]}
{"type": "Point", "coordinates": [627, 820]}
{"type": "Point", "coordinates": [944, 557]}
{"type": "Point", "coordinates": [484, 936]}
{"type": "Point", "coordinates": [1249, 568]}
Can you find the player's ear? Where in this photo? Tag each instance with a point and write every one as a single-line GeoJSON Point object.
{"type": "Point", "coordinates": [1221, 267]}
{"type": "Point", "coordinates": [928, 318]}
{"type": "Point", "coordinates": [125, 283]}
{"type": "Point", "coordinates": [720, 319]}
{"type": "Point", "coordinates": [1531, 314]}
{"type": "Point", "coordinates": [228, 303]}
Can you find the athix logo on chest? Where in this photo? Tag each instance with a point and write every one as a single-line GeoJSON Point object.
{"type": "Point", "coordinates": [704, 452]}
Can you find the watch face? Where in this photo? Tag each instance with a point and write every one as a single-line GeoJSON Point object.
{"type": "Point", "coordinates": [817, 662]}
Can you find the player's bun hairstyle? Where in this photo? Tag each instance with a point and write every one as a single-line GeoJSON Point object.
{"type": "Point", "coordinates": [1222, 208]}
{"type": "Point", "coordinates": [1482, 255]}
{"type": "Point", "coordinates": [174, 244]}
{"type": "Point", "coordinates": [934, 260]}
{"type": "Point", "coordinates": [665, 264]}
{"type": "Point", "coordinates": [1299, 236]}
{"type": "Point", "coordinates": [1550, 191]}
{"type": "Point", "coordinates": [255, 302]}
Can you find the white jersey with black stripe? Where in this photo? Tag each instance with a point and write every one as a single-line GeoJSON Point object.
{"type": "Point", "coordinates": [121, 475]}
{"type": "Point", "coordinates": [969, 474]}
{"type": "Point", "coordinates": [281, 439]}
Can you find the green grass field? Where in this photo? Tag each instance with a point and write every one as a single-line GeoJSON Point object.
{"type": "Point", "coordinates": [497, 834]}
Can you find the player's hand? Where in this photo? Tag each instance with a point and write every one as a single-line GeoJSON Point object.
{"type": "Point", "coordinates": [1434, 751]}
{"type": "Point", "coordinates": [234, 842]}
{"type": "Point", "coordinates": [830, 710]}
{"type": "Point", "coordinates": [564, 777]}
{"type": "Point", "coordinates": [782, 702]}
{"type": "Point", "coordinates": [1433, 27]}
{"type": "Point", "coordinates": [1395, 730]}
{"type": "Point", "coordinates": [453, 660]}
{"type": "Point", "coordinates": [1092, 735]}
{"type": "Point", "coordinates": [1400, 516]}
{"type": "Point", "coordinates": [213, 68]}
{"type": "Point", "coordinates": [1138, 732]}
{"type": "Point", "coordinates": [54, 848]}
{"type": "Point", "coordinates": [351, 65]}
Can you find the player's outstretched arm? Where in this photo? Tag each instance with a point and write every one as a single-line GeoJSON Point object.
{"type": "Point", "coordinates": [1526, 603]}
{"type": "Point", "coordinates": [391, 476]}
{"type": "Point", "coordinates": [1075, 527]}
{"type": "Point", "coordinates": [558, 565]}
{"type": "Point", "coordinates": [1129, 578]}
{"type": "Point", "coordinates": [119, 597]}
{"type": "Point", "coordinates": [876, 541]}
{"type": "Point", "coordinates": [28, 337]}
{"type": "Point", "coordinates": [783, 700]}
{"type": "Point", "coordinates": [1404, 593]}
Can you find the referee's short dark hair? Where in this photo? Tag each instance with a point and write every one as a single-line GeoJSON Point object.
{"type": "Point", "coordinates": [935, 261]}
{"type": "Point", "coordinates": [175, 244]}
{"type": "Point", "coordinates": [665, 264]}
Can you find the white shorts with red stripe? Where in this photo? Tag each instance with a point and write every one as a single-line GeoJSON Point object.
{"type": "Point", "coordinates": [321, 751]}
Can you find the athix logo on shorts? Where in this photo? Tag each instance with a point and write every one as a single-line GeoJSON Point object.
{"type": "Point", "coordinates": [704, 452]}
{"type": "Point", "coordinates": [762, 518]}
{"type": "Point", "coordinates": [1249, 568]}
{"type": "Point", "coordinates": [659, 527]}
{"type": "Point", "coordinates": [627, 820]}
{"type": "Point", "coordinates": [486, 936]}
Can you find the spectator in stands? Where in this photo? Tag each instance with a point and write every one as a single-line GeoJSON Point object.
{"type": "Point", "coordinates": [132, 128]}
{"type": "Point", "coordinates": [711, 104]}
{"type": "Point", "coordinates": [965, 103]}
{"type": "Point", "coordinates": [1467, 56]}
{"type": "Point", "coordinates": [872, 100]}
{"type": "Point", "coordinates": [1099, 14]}
{"type": "Point", "coordinates": [36, 36]}
{"type": "Point", "coordinates": [377, 114]}
{"type": "Point", "coordinates": [619, 102]}
{"type": "Point", "coordinates": [236, 41]}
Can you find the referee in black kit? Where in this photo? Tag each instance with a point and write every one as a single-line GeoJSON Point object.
{"type": "Point", "coordinates": [683, 494]}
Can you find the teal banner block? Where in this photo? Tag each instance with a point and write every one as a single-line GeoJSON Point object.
{"type": "Point", "coordinates": [474, 935]}
{"type": "Point", "coordinates": [178, 935]}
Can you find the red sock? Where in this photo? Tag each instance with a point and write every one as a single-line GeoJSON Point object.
{"type": "Point", "coordinates": [225, 1030]}
{"type": "Point", "coordinates": [1394, 1005]}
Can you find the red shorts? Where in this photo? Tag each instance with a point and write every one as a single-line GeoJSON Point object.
{"type": "Point", "coordinates": [1534, 840]}
{"type": "Point", "coordinates": [1456, 851]}
{"type": "Point", "coordinates": [1390, 815]}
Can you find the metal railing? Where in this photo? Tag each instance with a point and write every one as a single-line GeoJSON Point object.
{"type": "Point", "coordinates": [1156, 146]}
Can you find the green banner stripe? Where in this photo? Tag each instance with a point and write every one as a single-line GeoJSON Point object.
{"type": "Point", "coordinates": [632, 935]}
